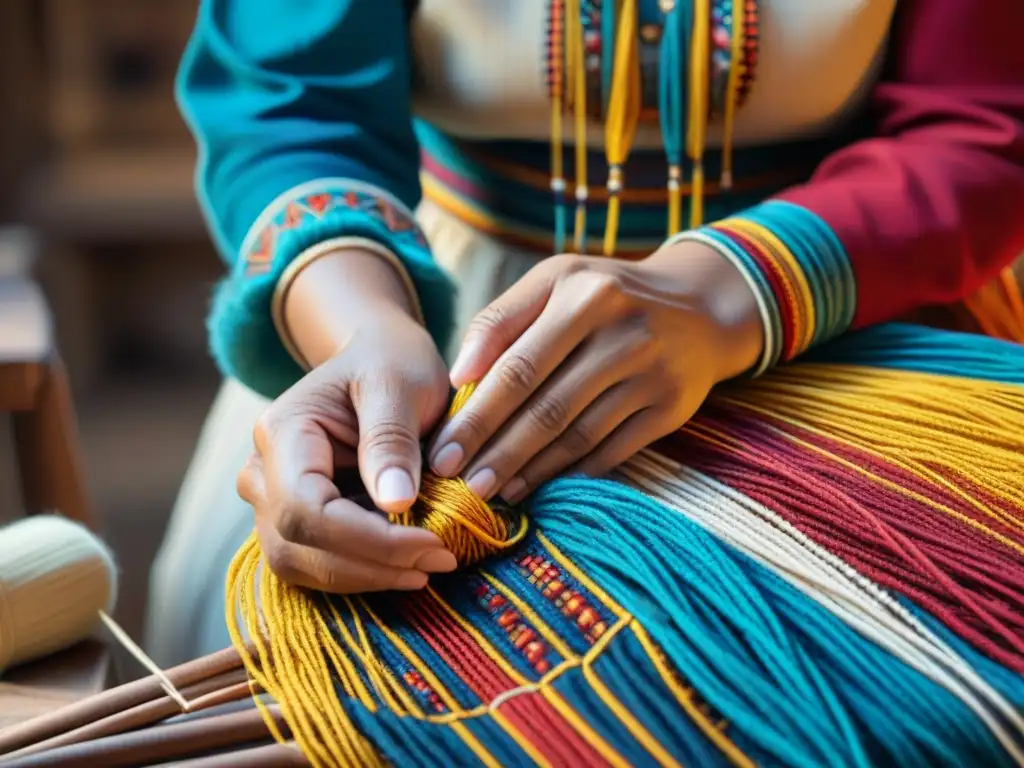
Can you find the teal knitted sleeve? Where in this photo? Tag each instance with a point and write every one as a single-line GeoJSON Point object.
{"type": "Point", "coordinates": [302, 115]}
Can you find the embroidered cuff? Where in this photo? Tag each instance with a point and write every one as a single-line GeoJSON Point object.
{"type": "Point", "coordinates": [244, 337]}
{"type": "Point", "coordinates": [799, 272]}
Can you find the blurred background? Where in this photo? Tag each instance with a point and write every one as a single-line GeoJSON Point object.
{"type": "Point", "coordinates": [96, 201]}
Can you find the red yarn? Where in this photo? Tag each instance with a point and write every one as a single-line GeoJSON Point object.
{"type": "Point", "coordinates": [963, 576]}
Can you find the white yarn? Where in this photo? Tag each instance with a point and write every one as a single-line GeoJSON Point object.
{"type": "Point", "coordinates": [55, 578]}
{"type": "Point", "coordinates": [761, 534]}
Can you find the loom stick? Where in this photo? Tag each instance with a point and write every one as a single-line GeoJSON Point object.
{"type": "Point", "coordinates": [231, 686]}
{"type": "Point", "coordinates": [159, 743]}
{"type": "Point", "coordinates": [115, 700]}
{"type": "Point", "coordinates": [268, 756]}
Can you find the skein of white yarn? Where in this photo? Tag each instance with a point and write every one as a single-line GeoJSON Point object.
{"type": "Point", "coordinates": [55, 578]}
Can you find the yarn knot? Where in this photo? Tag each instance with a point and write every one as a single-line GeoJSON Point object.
{"type": "Point", "coordinates": [470, 528]}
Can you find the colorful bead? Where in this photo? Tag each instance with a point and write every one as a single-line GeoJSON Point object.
{"type": "Point", "coordinates": [650, 34]}
{"type": "Point", "coordinates": [427, 695]}
{"type": "Point", "coordinates": [523, 637]}
{"type": "Point", "coordinates": [552, 583]}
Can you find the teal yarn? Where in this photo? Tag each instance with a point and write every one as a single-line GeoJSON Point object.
{"type": "Point", "coordinates": [671, 80]}
{"type": "Point", "coordinates": [608, 24]}
{"type": "Point", "coordinates": [797, 686]}
{"type": "Point", "coordinates": [1007, 682]}
{"type": "Point", "coordinates": [907, 347]}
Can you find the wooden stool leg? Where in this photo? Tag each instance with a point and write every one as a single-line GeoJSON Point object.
{"type": "Point", "coordinates": [46, 441]}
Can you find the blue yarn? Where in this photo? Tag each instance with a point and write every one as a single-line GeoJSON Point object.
{"type": "Point", "coordinates": [1007, 682]}
{"type": "Point", "coordinates": [608, 22]}
{"type": "Point", "coordinates": [793, 681]}
{"type": "Point", "coordinates": [672, 81]}
{"type": "Point", "coordinates": [560, 222]}
{"type": "Point", "coordinates": [926, 350]}
{"type": "Point", "coordinates": [620, 667]}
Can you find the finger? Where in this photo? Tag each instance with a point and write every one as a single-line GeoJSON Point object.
{"type": "Point", "coordinates": [306, 508]}
{"type": "Point", "coordinates": [632, 436]}
{"type": "Point", "coordinates": [294, 448]}
{"type": "Point", "coordinates": [567, 319]}
{"type": "Point", "coordinates": [580, 380]}
{"type": "Point", "coordinates": [321, 570]}
{"type": "Point", "coordinates": [582, 437]}
{"type": "Point", "coordinates": [495, 328]}
{"type": "Point", "coordinates": [298, 464]}
{"type": "Point", "coordinates": [344, 528]}
{"type": "Point", "coordinates": [390, 456]}
{"type": "Point", "coordinates": [251, 484]}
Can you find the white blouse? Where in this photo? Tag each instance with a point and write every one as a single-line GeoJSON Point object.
{"type": "Point", "coordinates": [481, 67]}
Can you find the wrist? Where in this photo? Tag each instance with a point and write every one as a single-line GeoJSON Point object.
{"type": "Point", "coordinates": [724, 295]}
{"type": "Point", "coordinates": [335, 292]}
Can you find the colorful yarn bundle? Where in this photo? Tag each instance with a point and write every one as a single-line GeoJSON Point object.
{"type": "Point", "coordinates": [826, 567]}
{"type": "Point", "coordinates": [468, 525]}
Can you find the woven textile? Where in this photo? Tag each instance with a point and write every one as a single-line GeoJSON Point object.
{"type": "Point", "coordinates": [826, 567]}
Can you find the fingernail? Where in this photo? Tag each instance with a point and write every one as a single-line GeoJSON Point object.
{"type": "Point", "coordinates": [448, 460]}
{"type": "Point", "coordinates": [460, 368]}
{"type": "Point", "coordinates": [411, 580]}
{"type": "Point", "coordinates": [437, 561]}
{"type": "Point", "coordinates": [482, 483]}
{"type": "Point", "coordinates": [514, 490]}
{"type": "Point", "coordinates": [395, 486]}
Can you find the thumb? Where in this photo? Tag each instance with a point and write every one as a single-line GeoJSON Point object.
{"type": "Point", "coordinates": [502, 322]}
{"type": "Point", "coordinates": [390, 455]}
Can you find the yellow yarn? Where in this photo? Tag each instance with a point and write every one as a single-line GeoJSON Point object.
{"type": "Point", "coordinates": [624, 107]}
{"type": "Point", "coordinates": [930, 426]}
{"type": "Point", "coordinates": [297, 658]}
{"type": "Point", "coordinates": [577, 73]}
{"type": "Point", "coordinates": [469, 527]}
{"type": "Point", "coordinates": [699, 94]}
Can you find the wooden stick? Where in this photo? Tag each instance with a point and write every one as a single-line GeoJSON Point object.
{"type": "Point", "coordinates": [143, 658]}
{"type": "Point", "coordinates": [268, 756]}
{"type": "Point", "coordinates": [115, 700]}
{"type": "Point", "coordinates": [161, 743]}
{"type": "Point", "coordinates": [231, 686]}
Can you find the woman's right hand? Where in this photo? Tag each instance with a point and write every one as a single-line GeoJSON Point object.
{"type": "Point", "coordinates": [367, 406]}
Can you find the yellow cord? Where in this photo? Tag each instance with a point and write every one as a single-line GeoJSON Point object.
{"type": "Point", "coordinates": [699, 93]}
{"type": "Point", "coordinates": [470, 528]}
{"type": "Point", "coordinates": [675, 199]}
{"type": "Point", "coordinates": [732, 93]}
{"type": "Point", "coordinates": [624, 107]}
{"type": "Point", "coordinates": [577, 71]}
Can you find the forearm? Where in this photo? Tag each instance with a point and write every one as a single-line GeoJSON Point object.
{"type": "Point", "coordinates": [337, 294]}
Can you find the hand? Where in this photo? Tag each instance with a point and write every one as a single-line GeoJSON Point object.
{"type": "Point", "coordinates": [366, 406]}
{"type": "Point", "coordinates": [586, 361]}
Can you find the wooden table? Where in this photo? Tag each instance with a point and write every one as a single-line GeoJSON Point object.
{"type": "Point", "coordinates": [63, 678]}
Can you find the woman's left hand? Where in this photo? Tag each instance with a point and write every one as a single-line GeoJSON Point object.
{"type": "Point", "coordinates": [586, 361]}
